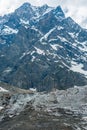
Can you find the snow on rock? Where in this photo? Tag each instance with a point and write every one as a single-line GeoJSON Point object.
{"type": "Point", "coordinates": [78, 68]}
{"type": "Point", "coordinates": [23, 55]}
{"type": "Point", "coordinates": [7, 30]}
{"type": "Point", "coordinates": [39, 51]}
{"type": "Point", "coordinates": [60, 27]}
{"type": "Point", "coordinates": [72, 35]}
{"type": "Point", "coordinates": [33, 89]}
{"type": "Point", "coordinates": [24, 21]}
{"type": "Point", "coordinates": [53, 40]}
{"type": "Point", "coordinates": [47, 34]}
{"type": "Point", "coordinates": [1, 108]}
{"type": "Point", "coordinates": [83, 47]}
{"type": "Point", "coordinates": [48, 10]}
{"type": "Point", "coordinates": [3, 90]}
{"type": "Point", "coordinates": [56, 46]}
{"type": "Point", "coordinates": [7, 70]}
{"type": "Point", "coordinates": [36, 30]}
{"type": "Point", "coordinates": [65, 64]}
{"type": "Point", "coordinates": [62, 39]}
{"type": "Point", "coordinates": [44, 43]}
{"type": "Point", "coordinates": [52, 54]}
{"type": "Point", "coordinates": [32, 52]}
{"type": "Point", "coordinates": [2, 55]}
{"type": "Point", "coordinates": [33, 58]}
{"type": "Point", "coordinates": [28, 53]}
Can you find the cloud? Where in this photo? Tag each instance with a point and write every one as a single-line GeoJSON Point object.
{"type": "Point", "coordinates": [76, 9]}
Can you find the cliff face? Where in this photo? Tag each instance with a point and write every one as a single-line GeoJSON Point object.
{"type": "Point", "coordinates": [41, 48]}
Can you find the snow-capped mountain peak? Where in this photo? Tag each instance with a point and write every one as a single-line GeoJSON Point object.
{"type": "Point", "coordinates": [41, 40]}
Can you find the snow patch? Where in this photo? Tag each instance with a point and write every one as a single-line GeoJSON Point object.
{"type": "Point", "coordinates": [60, 27]}
{"type": "Point", "coordinates": [32, 52]}
{"type": "Point", "coordinates": [2, 55]}
{"type": "Point", "coordinates": [53, 40]}
{"type": "Point", "coordinates": [65, 64]}
{"type": "Point", "coordinates": [62, 39]}
{"type": "Point", "coordinates": [7, 70]}
{"type": "Point", "coordinates": [33, 58]}
{"type": "Point", "coordinates": [47, 34]}
{"type": "Point", "coordinates": [83, 47]}
{"type": "Point", "coordinates": [3, 90]}
{"type": "Point", "coordinates": [72, 35]}
{"type": "Point", "coordinates": [33, 89]}
{"type": "Point", "coordinates": [78, 68]}
{"type": "Point", "coordinates": [1, 108]}
{"type": "Point", "coordinates": [23, 55]}
{"type": "Point", "coordinates": [48, 10]}
{"type": "Point", "coordinates": [7, 30]}
{"type": "Point", "coordinates": [44, 43]}
{"type": "Point", "coordinates": [36, 30]}
{"type": "Point", "coordinates": [56, 46]}
{"type": "Point", "coordinates": [39, 51]}
{"type": "Point", "coordinates": [24, 21]}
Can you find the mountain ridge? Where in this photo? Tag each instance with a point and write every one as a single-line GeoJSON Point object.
{"type": "Point", "coordinates": [40, 47]}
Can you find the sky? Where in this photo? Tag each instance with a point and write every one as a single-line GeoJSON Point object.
{"type": "Point", "coordinates": [77, 9]}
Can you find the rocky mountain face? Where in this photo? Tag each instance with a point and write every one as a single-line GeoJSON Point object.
{"type": "Point", "coordinates": [41, 48]}
{"type": "Point", "coordinates": [59, 109]}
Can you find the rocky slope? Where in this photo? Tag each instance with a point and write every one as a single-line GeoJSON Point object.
{"type": "Point", "coordinates": [41, 48]}
{"type": "Point", "coordinates": [59, 109]}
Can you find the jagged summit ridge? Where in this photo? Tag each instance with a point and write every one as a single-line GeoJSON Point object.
{"type": "Point", "coordinates": [59, 11]}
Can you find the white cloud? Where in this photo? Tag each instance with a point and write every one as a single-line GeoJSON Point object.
{"type": "Point", "coordinates": [76, 9]}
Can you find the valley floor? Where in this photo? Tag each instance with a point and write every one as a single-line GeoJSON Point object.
{"type": "Point", "coordinates": [34, 120]}
{"type": "Point", "coordinates": [57, 110]}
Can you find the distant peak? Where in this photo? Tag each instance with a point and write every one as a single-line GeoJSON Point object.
{"type": "Point", "coordinates": [27, 4]}
{"type": "Point", "coordinates": [59, 11]}
{"type": "Point", "coordinates": [24, 6]}
{"type": "Point", "coordinates": [45, 6]}
{"type": "Point", "coordinates": [70, 20]}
